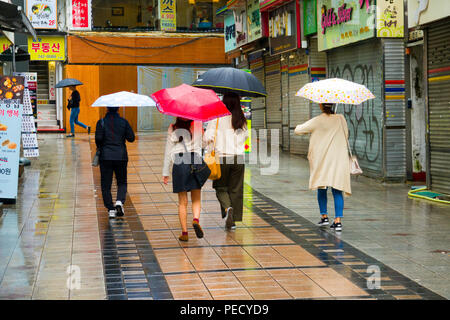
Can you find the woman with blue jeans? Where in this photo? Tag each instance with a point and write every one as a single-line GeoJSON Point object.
{"type": "Point", "coordinates": [329, 161]}
{"type": "Point", "coordinates": [74, 107]}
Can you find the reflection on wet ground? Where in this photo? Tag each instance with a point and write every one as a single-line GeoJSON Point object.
{"type": "Point", "coordinates": [56, 242]}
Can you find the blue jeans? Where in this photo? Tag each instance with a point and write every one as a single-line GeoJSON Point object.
{"type": "Point", "coordinates": [338, 202]}
{"type": "Point", "coordinates": [74, 112]}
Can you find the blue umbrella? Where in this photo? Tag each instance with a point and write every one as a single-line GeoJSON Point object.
{"type": "Point", "coordinates": [68, 83]}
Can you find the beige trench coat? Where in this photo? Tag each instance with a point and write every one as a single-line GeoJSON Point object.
{"type": "Point", "coordinates": [328, 157]}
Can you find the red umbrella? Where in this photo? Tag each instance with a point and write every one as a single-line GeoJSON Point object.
{"type": "Point", "coordinates": [191, 103]}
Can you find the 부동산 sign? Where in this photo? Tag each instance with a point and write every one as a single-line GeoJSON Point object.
{"type": "Point", "coordinates": [47, 48]}
{"type": "Point", "coordinates": [230, 32]}
{"type": "Point", "coordinates": [11, 104]}
{"type": "Point", "coordinates": [168, 14]}
{"type": "Point", "coordinates": [344, 22]}
{"type": "Point", "coordinates": [43, 14]}
{"type": "Point", "coordinates": [254, 31]}
{"type": "Point", "coordinates": [390, 19]}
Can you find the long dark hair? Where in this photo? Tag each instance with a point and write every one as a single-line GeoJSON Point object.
{"type": "Point", "coordinates": [182, 124]}
{"type": "Point", "coordinates": [233, 103]}
{"type": "Point", "coordinates": [328, 108]}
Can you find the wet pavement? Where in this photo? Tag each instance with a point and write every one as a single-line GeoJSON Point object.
{"type": "Point", "coordinates": [57, 242]}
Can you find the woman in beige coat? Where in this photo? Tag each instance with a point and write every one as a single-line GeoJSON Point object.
{"type": "Point", "coordinates": [328, 160]}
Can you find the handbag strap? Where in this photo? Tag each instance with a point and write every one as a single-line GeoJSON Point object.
{"type": "Point", "coordinates": [346, 139]}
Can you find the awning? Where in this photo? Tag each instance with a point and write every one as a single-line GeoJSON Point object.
{"type": "Point", "coordinates": [20, 55]}
{"type": "Point", "coordinates": [267, 5]}
{"type": "Point", "coordinates": [13, 19]}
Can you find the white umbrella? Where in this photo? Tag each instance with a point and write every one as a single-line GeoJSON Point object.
{"type": "Point", "coordinates": [335, 91]}
{"type": "Point", "coordinates": [124, 99]}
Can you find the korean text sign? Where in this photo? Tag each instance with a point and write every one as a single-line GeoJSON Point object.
{"type": "Point", "coordinates": [43, 14]}
{"type": "Point", "coordinates": [47, 48]}
{"type": "Point", "coordinates": [11, 105]}
{"type": "Point", "coordinates": [348, 22]}
{"type": "Point", "coordinates": [168, 13]}
{"type": "Point", "coordinates": [81, 14]}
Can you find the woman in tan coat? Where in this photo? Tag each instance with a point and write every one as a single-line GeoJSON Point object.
{"type": "Point", "coordinates": [328, 160]}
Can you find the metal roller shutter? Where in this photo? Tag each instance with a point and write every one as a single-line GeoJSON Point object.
{"type": "Point", "coordinates": [285, 101]}
{"type": "Point", "coordinates": [394, 77]}
{"type": "Point", "coordinates": [362, 63]}
{"type": "Point", "coordinates": [273, 89]}
{"type": "Point", "coordinates": [256, 61]}
{"type": "Point", "coordinates": [299, 108]}
{"type": "Point", "coordinates": [438, 52]}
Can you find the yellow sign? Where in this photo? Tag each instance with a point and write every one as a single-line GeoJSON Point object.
{"type": "Point", "coordinates": [47, 48]}
{"type": "Point", "coordinates": [390, 19]}
{"type": "Point", "coordinates": [4, 44]}
{"type": "Point", "coordinates": [168, 13]}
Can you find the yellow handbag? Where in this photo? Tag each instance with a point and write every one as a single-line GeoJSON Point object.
{"type": "Point", "coordinates": [213, 161]}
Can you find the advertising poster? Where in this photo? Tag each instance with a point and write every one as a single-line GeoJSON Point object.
{"type": "Point", "coordinates": [168, 14]}
{"type": "Point", "coordinates": [43, 14]}
{"type": "Point", "coordinates": [240, 21]}
{"type": "Point", "coordinates": [81, 15]}
{"type": "Point", "coordinates": [47, 48]}
{"type": "Point", "coordinates": [254, 30]}
{"type": "Point", "coordinates": [283, 29]}
{"type": "Point", "coordinates": [230, 33]}
{"type": "Point", "coordinates": [51, 81]}
{"type": "Point", "coordinates": [29, 136]}
{"type": "Point", "coordinates": [390, 19]}
{"type": "Point", "coordinates": [344, 23]}
{"type": "Point", "coordinates": [4, 44]}
{"type": "Point", "coordinates": [11, 104]}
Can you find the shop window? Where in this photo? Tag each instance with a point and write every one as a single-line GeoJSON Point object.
{"type": "Point", "coordinates": [143, 15]}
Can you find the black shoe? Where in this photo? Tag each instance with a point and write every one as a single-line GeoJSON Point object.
{"type": "Point", "coordinates": [336, 226]}
{"type": "Point", "coordinates": [70, 135]}
{"type": "Point", "coordinates": [198, 230]}
{"type": "Point", "coordinates": [119, 209]}
{"type": "Point", "coordinates": [89, 130]}
{"type": "Point", "coordinates": [323, 222]}
{"type": "Point", "coordinates": [229, 223]}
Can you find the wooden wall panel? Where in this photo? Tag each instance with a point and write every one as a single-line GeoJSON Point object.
{"type": "Point", "coordinates": [89, 92]}
{"type": "Point", "coordinates": [206, 50]}
{"type": "Point", "coordinates": [98, 81]}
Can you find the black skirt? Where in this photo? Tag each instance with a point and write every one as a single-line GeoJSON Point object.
{"type": "Point", "coordinates": [189, 175]}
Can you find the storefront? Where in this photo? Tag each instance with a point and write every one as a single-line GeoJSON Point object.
{"type": "Point", "coordinates": [372, 54]}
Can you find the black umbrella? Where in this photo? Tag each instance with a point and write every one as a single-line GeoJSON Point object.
{"type": "Point", "coordinates": [68, 83]}
{"type": "Point", "coordinates": [223, 80]}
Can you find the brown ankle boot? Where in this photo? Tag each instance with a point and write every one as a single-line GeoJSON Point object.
{"type": "Point", "coordinates": [183, 237]}
{"type": "Point", "coordinates": [198, 230]}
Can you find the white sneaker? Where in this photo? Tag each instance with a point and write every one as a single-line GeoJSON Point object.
{"type": "Point", "coordinates": [119, 208]}
{"type": "Point", "coordinates": [112, 213]}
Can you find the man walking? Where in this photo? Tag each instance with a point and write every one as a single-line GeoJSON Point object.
{"type": "Point", "coordinates": [110, 136]}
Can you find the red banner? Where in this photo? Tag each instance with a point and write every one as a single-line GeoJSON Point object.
{"type": "Point", "coordinates": [81, 14]}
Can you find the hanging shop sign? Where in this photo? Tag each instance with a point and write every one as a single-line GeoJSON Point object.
{"type": "Point", "coordinates": [390, 19]}
{"type": "Point", "coordinates": [168, 15]}
{"type": "Point", "coordinates": [254, 30]}
{"type": "Point", "coordinates": [351, 21]}
{"type": "Point", "coordinates": [230, 33]}
{"type": "Point", "coordinates": [240, 21]}
{"type": "Point", "coordinates": [11, 105]}
{"type": "Point", "coordinates": [43, 14]}
{"type": "Point", "coordinates": [309, 17]}
{"type": "Point", "coordinates": [283, 29]}
{"type": "Point", "coordinates": [51, 80]}
{"type": "Point", "coordinates": [47, 48]}
{"type": "Point", "coordinates": [81, 12]}
{"type": "Point", "coordinates": [4, 44]}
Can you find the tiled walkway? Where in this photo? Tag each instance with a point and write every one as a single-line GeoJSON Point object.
{"type": "Point", "coordinates": [59, 221]}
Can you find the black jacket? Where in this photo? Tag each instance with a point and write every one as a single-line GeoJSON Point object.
{"type": "Point", "coordinates": [74, 101]}
{"type": "Point", "coordinates": [110, 136]}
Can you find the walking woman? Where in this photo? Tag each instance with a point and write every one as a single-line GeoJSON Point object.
{"type": "Point", "coordinates": [110, 136]}
{"type": "Point", "coordinates": [328, 161]}
{"type": "Point", "coordinates": [74, 107]}
{"type": "Point", "coordinates": [183, 150]}
{"type": "Point", "coordinates": [230, 146]}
